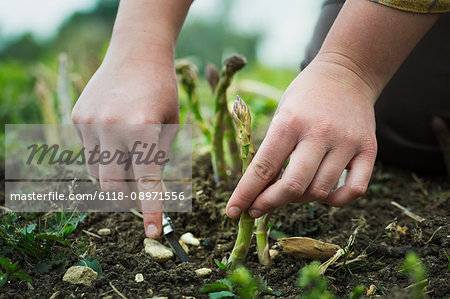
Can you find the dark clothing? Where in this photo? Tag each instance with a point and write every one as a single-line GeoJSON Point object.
{"type": "Point", "coordinates": [418, 90]}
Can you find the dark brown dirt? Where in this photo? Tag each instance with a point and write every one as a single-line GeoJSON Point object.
{"type": "Point", "coordinates": [121, 254]}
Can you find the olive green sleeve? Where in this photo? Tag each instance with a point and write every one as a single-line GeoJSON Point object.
{"type": "Point", "coordinates": [418, 6]}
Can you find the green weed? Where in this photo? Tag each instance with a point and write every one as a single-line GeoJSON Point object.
{"type": "Point", "coordinates": [41, 241]}
{"type": "Point", "coordinates": [414, 268]}
{"type": "Point", "coordinates": [240, 282]}
{"type": "Point", "coordinates": [12, 272]}
{"type": "Point", "coordinates": [315, 286]}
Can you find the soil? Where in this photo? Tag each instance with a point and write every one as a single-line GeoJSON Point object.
{"type": "Point", "coordinates": [121, 254]}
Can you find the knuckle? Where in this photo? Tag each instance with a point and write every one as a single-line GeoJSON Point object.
{"type": "Point", "coordinates": [75, 117]}
{"type": "Point", "coordinates": [370, 149]}
{"type": "Point", "coordinates": [325, 129]}
{"type": "Point", "coordinates": [294, 188]}
{"type": "Point", "coordinates": [267, 206]}
{"type": "Point", "coordinates": [284, 123]}
{"type": "Point", "coordinates": [263, 170]}
{"type": "Point", "coordinates": [243, 198]}
{"type": "Point", "coordinates": [351, 139]}
{"type": "Point", "coordinates": [319, 193]}
{"type": "Point", "coordinates": [109, 119]}
{"type": "Point", "coordinates": [110, 185]}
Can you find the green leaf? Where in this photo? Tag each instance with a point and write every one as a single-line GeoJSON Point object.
{"type": "Point", "coordinates": [48, 237]}
{"type": "Point", "coordinates": [357, 292]}
{"type": "Point", "coordinates": [94, 264]}
{"type": "Point", "coordinates": [220, 285]}
{"type": "Point", "coordinates": [221, 294]}
{"type": "Point", "coordinates": [22, 275]}
{"type": "Point", "coordinates": [223, 265]}
{"type": "Point", "coordinates": [13, 267]}
{"type": "Point", "coordinates": [6, 263]}
{"type": "Point", "coordinates": [3, 278]}
{"type": "Point", "coordinates": [264, 288]}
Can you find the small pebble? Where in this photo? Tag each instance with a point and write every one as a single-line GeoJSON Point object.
{"type": "Point", "coordinates": [159, 252]}
{"type": "Point", "coordinates": [55, 295]}
{"type": "Point", "coordinates": [104, 232]}
{"type": "Point", "coordinates": [273, 253]}
{"type": "Point", "coordinates": [371, 290]}
{"type": "Point", "coordinates": [139, 277]}
{"type": "Point", "coordinates": [202, 272]}
{"type": "Point", "coordinates": [189, 239]}
{"type": "Point", "coordinates": [80, 275]}
{"type": "Point", "coordinates": [184, 246]}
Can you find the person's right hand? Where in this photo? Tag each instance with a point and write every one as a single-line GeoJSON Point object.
{"type": "Point", "coordinates": [325, 123]}
{"type": "Point", "coordinates": [136, 90]}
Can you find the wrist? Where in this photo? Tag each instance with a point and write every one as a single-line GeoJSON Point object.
{"type": "Point", "coordinates": [349, 72]}
{"type": "Point", "coordinates": [147, 30]}
{"type": "Point", "coordinates": [139, 49]}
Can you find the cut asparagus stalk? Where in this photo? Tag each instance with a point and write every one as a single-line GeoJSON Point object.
{"type": "Point", "coordinates": [262, 240]}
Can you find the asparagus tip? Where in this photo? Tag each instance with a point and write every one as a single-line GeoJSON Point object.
{"type": "Point", "coordinates": [241, 113]}
{"type": "Point", "coordinates": [212, 75]}
{"type": "Point", "coordinates": [187, 73]}
{"type": "Point", "coordinates": [234, 63]}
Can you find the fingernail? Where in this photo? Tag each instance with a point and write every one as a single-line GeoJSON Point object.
{"type": "Point", "coordinates": [255, 213]}
{"type": "Point", "coordinates": [234, 212]}
{"type": "Point", "coordinates": [152, 231]}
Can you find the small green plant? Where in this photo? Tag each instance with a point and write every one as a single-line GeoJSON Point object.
{"type": "Point", "coordinates": [315, 285]}
{"type": "Point", "coordinates": [416, 271]}
{"type": "Point", "coordinates": [239, 282]}
{"type": "Point", "coordinates": [92, 263]}
{"type": "Point", "coordinates": [39, 241]}
{"type": "Point", "coordinates": [11, 272]}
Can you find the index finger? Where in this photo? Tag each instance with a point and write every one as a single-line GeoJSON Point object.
{"type": "Point", "coordinates": [267, 163]}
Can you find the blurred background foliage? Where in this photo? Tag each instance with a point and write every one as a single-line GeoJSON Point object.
{"type": "Point", "coordinates": [29, 68]}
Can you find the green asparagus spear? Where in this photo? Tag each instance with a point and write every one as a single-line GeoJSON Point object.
{"type": "Point", "coordinates": [187, 73]}
{"type": "Point", "coordinates": [242, 118]}
{"type": "Point", "coordinates": [223, 123]}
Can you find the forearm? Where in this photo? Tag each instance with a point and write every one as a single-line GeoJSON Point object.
{"type": "Point", "coordinates": [144, 27]}
{"type": "Point", "coordinates": [368, 42]}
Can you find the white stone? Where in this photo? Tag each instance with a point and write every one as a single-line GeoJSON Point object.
{"type": "Point", "coordinates": [159, 252]}
{"type": "Point", "coordinates": [139, 277]}
{"type": "Point", "coordinates": [80, 275]}
{"type": "Point", "coordinates": [273, 253]}
{"type": "Point", "coordinates": [202, 272]}
{"type": "Point", "coordinates": [184, 246]}
{"type": "Point", "coordinates": [188, 238]}
{"type": "Point", "coordinates": [104, 232]}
